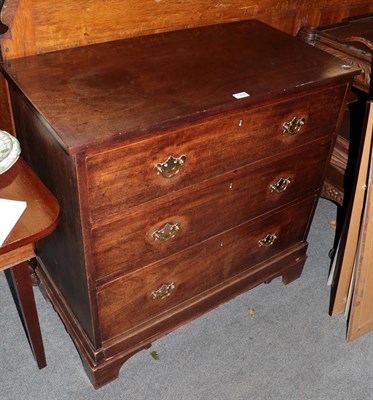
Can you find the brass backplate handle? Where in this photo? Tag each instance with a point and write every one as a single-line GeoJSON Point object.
{"type": "Point", "coordinates": [268, 240]}
{"type": "Point", "coordinates": [167, 232]}
{"type": "Point", "coordinates": [171, 167]}
{"type": "Point", "coordinates": [281, 185]}
{"type": "Point", "coordinates": [163, 292]}
{"type": "Point", "coordinates": [294, 126]}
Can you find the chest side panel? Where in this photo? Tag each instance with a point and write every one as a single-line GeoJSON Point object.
{"type": "Point", "coordinates": [62, 253]}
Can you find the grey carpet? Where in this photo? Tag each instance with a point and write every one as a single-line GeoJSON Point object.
{"type": "Point", "coordinates": [291, 349]}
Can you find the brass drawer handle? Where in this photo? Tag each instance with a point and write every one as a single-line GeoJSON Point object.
{"type": "Point", "coordinates": [170, 167]}
{"type": "Point", "coordinates": [268, 240]}
{"type": "Point", "coordinates": [281, 185]}
{"type": "Point", "coordinates": [294, 126]}
{"type": "Point", "coordinates": [164, 291]}
{"type": "Point", "coordinates": [167, 232]}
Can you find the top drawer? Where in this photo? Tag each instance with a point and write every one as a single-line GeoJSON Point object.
{"type": "Point", "coordinates": [123, 177]}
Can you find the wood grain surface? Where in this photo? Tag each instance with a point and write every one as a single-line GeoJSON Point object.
{"type": "Point", "coordinates": [39, 26]}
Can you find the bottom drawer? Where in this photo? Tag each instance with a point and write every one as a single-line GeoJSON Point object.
{"type": "Point", "coordinates": [145, 294]}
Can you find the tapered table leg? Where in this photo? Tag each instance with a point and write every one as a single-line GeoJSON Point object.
{"type": "Point", "coordinates": [25, 295]}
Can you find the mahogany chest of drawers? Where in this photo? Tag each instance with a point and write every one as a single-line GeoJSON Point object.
{"type": "Point", "coordinates": [187, 165]}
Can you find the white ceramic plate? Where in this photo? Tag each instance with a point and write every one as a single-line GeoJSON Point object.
{"type": "Point", "coordinates": [12, 157]}
{"type": "Point", "coordinates": [6, 145]}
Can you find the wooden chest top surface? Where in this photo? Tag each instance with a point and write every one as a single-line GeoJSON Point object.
{"type": "Point", "coordinates": [98, 94]}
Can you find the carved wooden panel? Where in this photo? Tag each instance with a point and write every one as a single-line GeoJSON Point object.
{"type": "Point", "coordinates": [38, 26]}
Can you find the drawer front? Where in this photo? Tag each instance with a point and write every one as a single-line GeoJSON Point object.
{"type": "Point", "coordinates": [123, 177]}
{"type": "Point", "coordinates": [145, 294]}
{"type": "Point", "coordinates": [169, 224]}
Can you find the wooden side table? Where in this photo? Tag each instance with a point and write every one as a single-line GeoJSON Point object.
{"type": "Point", "coordinates": [38, 220]}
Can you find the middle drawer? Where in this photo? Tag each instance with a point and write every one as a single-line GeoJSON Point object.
{"type": "Point", "coordinates": [171, 223]}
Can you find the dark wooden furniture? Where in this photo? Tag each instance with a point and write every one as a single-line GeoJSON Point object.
{"type": "Point", "coordinates": [36, 222]}
{"type": "Point", "coordinates": [352, 42]}
{"type": "Point", "coordinates": [188, 166]}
